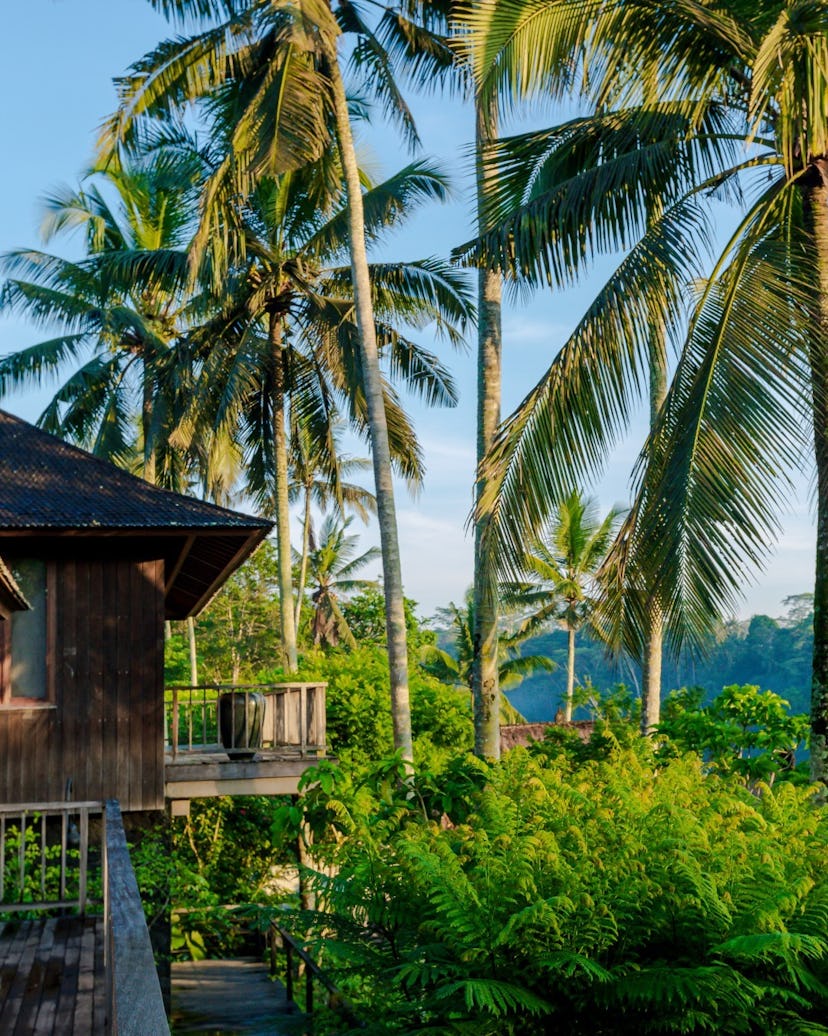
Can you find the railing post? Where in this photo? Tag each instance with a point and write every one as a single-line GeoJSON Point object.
{"type": "Point", "coordinates": [289, 970]}
{"type": "Point", "coordinates": [84, 859]}
{"type": "Point", "coordinates": [303, 718]}
{"type": "Point", "coordinates": [175, 722]}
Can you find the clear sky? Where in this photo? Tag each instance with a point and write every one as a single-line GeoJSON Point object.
{"type": "Point", "coordinates": [57, 60]}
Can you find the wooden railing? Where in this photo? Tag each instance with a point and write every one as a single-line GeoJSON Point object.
{"type": "Point", "coordinates": [294, 716]}
{"type": "Point", "coordinates": [44, 855]}
{"type": "Point", "coordinates": [296, 956]}
{"type": "Point", "coordinates": [136, 1007]}
{"type": "Point", "coordinates": [46, 864]}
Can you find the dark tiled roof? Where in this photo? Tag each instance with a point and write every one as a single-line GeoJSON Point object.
{"type": "Point", "coordinates": [47, 484]}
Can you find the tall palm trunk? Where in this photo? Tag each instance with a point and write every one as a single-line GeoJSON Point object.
{"type": "Point", "coordinates": [485, 688]}
{"type": "Point", "coordinates": [372, 385]}
{"type": "Point", "coordinates": [148, 469]}
{"type": "Point", "coordinates": [280, 463]}
{"type": "Point", "coordinates": [816, 216]}
{"type": "Point", "coordinates": [303, 568]}
{"type": "Point", "coordinates": [654, 644]}
{"type": "Point", "coordinates": [570, 672]}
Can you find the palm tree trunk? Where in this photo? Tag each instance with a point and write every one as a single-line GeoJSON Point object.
{"type": "Point", "coordinates": [287, 628]}
{"type": "Point", "coordinates": [816, 215]}
{"type": "Point", "coordinates": [303, 568]}
{"type": "Point", "coordinates": [570, 672]}
{"type": "Point", "coordinates": [485, 688]}
{"type": "Point", "coordinates": [654, 644]}
{"type": "Point", "coordinates": [372, 385]}
{"type": "Point", "coordinates": [149, 472]}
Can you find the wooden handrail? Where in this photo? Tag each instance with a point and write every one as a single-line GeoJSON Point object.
{"type": "Point", "coordinates": [294, 716]}
{"type": "Point", "coordinates": [313, 971]}
{"type": "Point", "coordinates": [28, 823]}
{"type": "Point", "coordinates": [136, 1007]}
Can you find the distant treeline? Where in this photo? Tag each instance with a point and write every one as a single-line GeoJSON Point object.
{"type": "Point", "coordinates": [773, 653]}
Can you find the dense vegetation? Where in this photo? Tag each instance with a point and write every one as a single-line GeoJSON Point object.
{"type": "Point", "coordinates": [544, 894]}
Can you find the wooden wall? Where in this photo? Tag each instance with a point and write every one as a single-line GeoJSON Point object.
{"type": "Point", "coordinates": [105, 669]}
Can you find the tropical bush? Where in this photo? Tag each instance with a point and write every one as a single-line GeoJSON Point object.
{"type": "Point", "coordinates": [616, 896]}
{"type": "Point", "coordinates": [359, 711]}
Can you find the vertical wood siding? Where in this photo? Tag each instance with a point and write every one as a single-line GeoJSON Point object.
{"type": "Point", "coordinates": [105, 670]}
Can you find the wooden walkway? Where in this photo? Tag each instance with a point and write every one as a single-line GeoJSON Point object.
{"type": "Point", "coordinates": [231, 998]}
{"type": "Point", "coordinates": [52, 977]}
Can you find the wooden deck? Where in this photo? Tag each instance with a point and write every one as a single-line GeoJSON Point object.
{"type": "Point", "coordinates": [52, 977]}
{"type": "Point", "coordinates": [210, 772]}
{"type": "Point", "coordinates": [231, 997]}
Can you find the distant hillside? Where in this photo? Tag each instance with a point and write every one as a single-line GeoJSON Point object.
{"type": "Point", "coordinates": [773, 653]}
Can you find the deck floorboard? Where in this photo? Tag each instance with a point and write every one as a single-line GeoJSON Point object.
{"type": "Point", "coordinates": [231, 998]}
{"type": "Point", "coordinates": [49, 973]}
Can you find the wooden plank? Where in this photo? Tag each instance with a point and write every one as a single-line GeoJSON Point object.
{"type": "Point", "coordinates": [136, 686]}
{"type": "Point", "coordinates": [14, 940]}
{"type": "Point", "coordinates": [139, 1007]}
{"type": "Point", "coordinates": [68, 679]}
{"type": "Point", "coordinates": [14, 999]}
{"type": "Point", "coordinates": [113, 726]}
{"type": "Point", "coordinates": [88, 733]}
{"type": "Point", "coordinates": [96, 787]}
{"type": "Point", "coordinates": [52, 961]}
{"type": "Point", "coordinates": [69, 935]}
{"type": "Point", "coordinates": [154, 686]}
{"type": "Point", "coordinates": [84, 1003]}
{"type": "Point", "coordinates": [99, 999]}
{"type": "Point", "coordinates": [124, 701]}
{"type": "Point", "coordinates": [36, 982]}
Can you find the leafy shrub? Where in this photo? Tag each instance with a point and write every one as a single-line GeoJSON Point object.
{"type": "Point", "coordinates": [743, 731]}
{"type": "Point", "coordinates": [359, 710]}
{"type": "Point", "coordinates": [618, 896]}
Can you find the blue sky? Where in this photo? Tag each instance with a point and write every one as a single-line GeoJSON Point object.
{"type": "Point", "coordinates": [57, 60]}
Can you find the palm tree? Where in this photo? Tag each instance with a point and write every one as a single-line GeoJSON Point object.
{"type": "Point", "coordinates": [695, 106]}
{"type": "Point", "coordinates": [274, 70]}
{"type": "Point", "coordinates": [562, 567]}
{"type": "Point", "coordinates": [457, 667]}
{"type": "Point", "coordinates": [286, 337]}
{"type": "Point", "coordinates": [317, 475]}
{"type": "Point", "coordinates": [332, 565]}
{"type": "Point", "coordinates": [124, 302]}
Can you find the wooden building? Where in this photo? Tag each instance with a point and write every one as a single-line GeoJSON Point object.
{"type": "Point", "coordinates": [94, 561]}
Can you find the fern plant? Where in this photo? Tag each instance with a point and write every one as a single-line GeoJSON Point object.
{"type": "Point", "coordinates": [623, 895]}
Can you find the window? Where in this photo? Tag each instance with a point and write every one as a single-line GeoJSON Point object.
{"type": "Point", "coordinates": [23, 639]}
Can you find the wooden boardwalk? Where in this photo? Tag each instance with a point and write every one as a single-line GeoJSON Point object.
{"type": "Point", "coordinates": [52, 977]}
{"type": "Point", "coordinates": [231, 998]}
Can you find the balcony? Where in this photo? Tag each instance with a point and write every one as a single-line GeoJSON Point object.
{"type": "Point", "coordinates": [199, 765]}
{"type": "Point", "coordinates": [75, 955]}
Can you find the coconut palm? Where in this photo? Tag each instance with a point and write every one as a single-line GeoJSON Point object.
{"type": "Point", "coordinates": [279, 67]}
{"type": "Point", "coordinates": [124, 303]}
{"type": "Point", "coordinates": [695, 106]}
{"type": "Point", "coordinates": [317, 475]}
{"type": "Point", "coordinates": [456, 667]}
{"type": "Point", "coordinates": [561, 569]}
{"type": "Point", "coordinates": [332, 566]}
{"type": "Point", "coordinates": [287, 339]}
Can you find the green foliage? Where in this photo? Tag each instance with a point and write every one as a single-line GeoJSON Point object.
{"type": "Point", "coordinates": [222, 854]}
{"type": "Point", "coordinates": [365, 614]}
{"type": "Point", "coordinates": [237, 633]}
{"type": "Point", "coordinates": [770, 652]}
{"type": "Point", "coordinates": [40, 867]}
{"type": "Point", "coordinates": [618, 896]}
{"type": "Point", "coordinates": [743, 731]}
{"type": "Point", "coordinates": [358, 707]}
